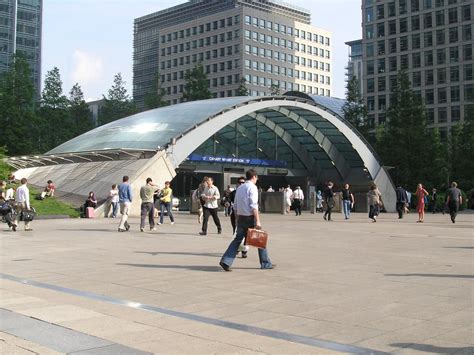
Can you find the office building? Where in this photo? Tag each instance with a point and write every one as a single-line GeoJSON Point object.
{"type": "Point", "coordinates": [355, 65]}
{"type": "Point", "coordinates": [266, 42]}
{"type": "Point", "coordinates": [432, 40]}
{"type": "Point", "coordinates": [20, 32]}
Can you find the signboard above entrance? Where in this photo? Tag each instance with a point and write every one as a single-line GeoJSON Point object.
{"type": "Point", "coordinates": [238, 161]}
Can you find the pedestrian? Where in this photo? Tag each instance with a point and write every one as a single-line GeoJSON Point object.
{"type": "Point", "coordinates": [329, 199]}
{"type": "Point", "coordinates": [198, 192]}
{"type": "Point", "coordinates": [375, 202]}
{"type": "Point", "coordinates": [433, 197]}
{"type": "Point", "coordinates": [402, 201]}
{"type": "Point", "coordinates": [288, 195]}
{"type": "Point", "coordinates": [347, 201]}
{"type": "Point", "coordinates": [225, 200]}
{"type": "Point", "coordinates": [6, 207]}
{"type": "Point", "coordinates": [453, 200]}
{"type": "Point", "coordinates": [114, 200]}
{"type": "Point", "coordinates": [298, 198]}
{"type": "Point", "coordinates": [246, 209]}
{"type": "Point", "coordinates": [270, 189]}
{"type": "Point", "coordinates": [147, 207]}
{"type": "Point", "coordinates": [125, 200]}
{"type": "Point", "coordinates": [166, 202]}
{"type": "Point", "coordinates": [319, 201]}
{"type": "Point", "coordinates": [210, 196]}
{"type": "Point", "coordinates": [240, 181]}
{"type": "Point", "coordinates": [23, 202]}
{"type": "Point", "coordinates": [421, 193]}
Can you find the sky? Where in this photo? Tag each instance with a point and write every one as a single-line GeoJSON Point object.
{"type": "Point", "coordinates": [90, 41]}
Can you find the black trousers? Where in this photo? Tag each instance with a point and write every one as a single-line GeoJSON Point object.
{"type": "Point", "coordinates": [373, 211]}
{"type": "Point", "coordinates": [232, 221]}
{"type": "Point", "coordinates": [210, 212]}
{"type": "Point", "coordinates": [400, 209]}
{"type": "Point", "coordinates": [297, 206]}
{"type": "Point", "coordinates": [328, 213]}
{"type": "Point", "coordinates": [453, 209]}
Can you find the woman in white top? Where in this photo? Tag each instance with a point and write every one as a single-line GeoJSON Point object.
{"type": "Point", "coordinates": [114, 200]}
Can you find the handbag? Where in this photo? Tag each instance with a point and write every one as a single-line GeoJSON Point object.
{"type": "Point", "coordinates": [257, 238]}
{"type": "Point", "coordinates": [27, 215]}
{"type": "Point", "coordinates": [331, 203]}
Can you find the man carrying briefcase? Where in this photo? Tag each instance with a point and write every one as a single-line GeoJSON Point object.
{"type": "Point", "coordinates": [247, 216]}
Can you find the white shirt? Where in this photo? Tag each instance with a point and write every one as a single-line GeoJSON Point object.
{"type": "Point", "coordinates": [114, 197]}
{"type": "Point", "coordinates": [246, 199]}
{"type": "Point", "coordinates": [23, 195]}
{"type": "Point", "coordinates": [10, 194]}
{"type": "Point", "coordinates": [212, 191]}
{"type": "Point", "coordinates": [298, 194]}
{"type": "Point", "coordinates": [270, 190]}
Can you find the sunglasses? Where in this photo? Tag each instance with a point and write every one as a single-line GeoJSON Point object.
{"type": "Point", "coordinates": [241, 182]}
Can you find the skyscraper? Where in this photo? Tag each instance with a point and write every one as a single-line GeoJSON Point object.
{"type": "Point", "coordinates": [20, 32]}
{"type": "Point", "coordinates": [268, 43]}
{"type": "Point", "coordinates": [433, 41]}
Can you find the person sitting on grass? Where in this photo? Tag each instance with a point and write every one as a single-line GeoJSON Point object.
{"type": "Point", "coordinates": [48, 190]}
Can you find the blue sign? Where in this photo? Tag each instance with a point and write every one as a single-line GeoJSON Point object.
{"type": "Point", "coordinates": [240, 161]}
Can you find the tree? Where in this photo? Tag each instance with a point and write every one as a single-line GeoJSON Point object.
{"type": "Point", "coordinates": [242, 89]}
{"type": "Point", "coordinates": [354, 108]}
{"type": "Point", "coordinates": [52, 94]}
{"type": "Point", "coordinates": [17, 118]}
{"type": "Point", "coordinates": [154, 98]}
{"type": "Point", "coordinates": [79, 111]}
{"type": "Point", "coordinates": [275, 90]}
{"type": "Point", "coordinates": [117, 103]}
{"type": "Point", "coordinates": [197, 85]}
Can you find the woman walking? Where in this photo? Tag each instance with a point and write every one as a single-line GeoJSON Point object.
{"type": "Point", "coordinates": [329, 199]}
{"type": "Point", "coordinates": [421, 193]}
{"type": "Point", "coordinates": [375, 202]}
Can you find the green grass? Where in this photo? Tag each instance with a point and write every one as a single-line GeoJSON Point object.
{"type": "Point", "coordinates": [50, 206]}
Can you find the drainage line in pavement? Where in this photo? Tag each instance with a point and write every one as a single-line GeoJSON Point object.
{"type": "Point", "coordinates": [294, 338]}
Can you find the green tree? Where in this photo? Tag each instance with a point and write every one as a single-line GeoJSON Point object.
{"type": "Point", "coordinates": [275, 90]}
{"type": "Point", "coordinates": [154, 98]}
{"type": "Point", "coordinates": [197, 85]}
{"type": "Point", "coordinates": [354, 108]}
{"type": "Point", "coordinates": [242, 89]}
{"type": "Point", "coordinates": [117, 103]}
{"type": "Point", "coordinates": [17, 117]}
{"type": "Point", "coordinates": [79, 112]}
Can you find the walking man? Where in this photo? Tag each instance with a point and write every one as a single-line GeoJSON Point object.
{"type": "Point", "coordinates": [434, 196]}
{"type": "Point", "coordinates": [402, 201]}
{"type": "Point", "coordinates": [347, 201]}
{"type": "Point", "coordinates": [210, 196]}
{"type": "Point", "coordinates": [298, 198]}
{"type": "Point", "coordinates": [329, 199]}
{"type": "Point", "coordinates": [147, 207]}
{"type": "Point", "coordinates": [246, 210]}
{"type": "Point", "coordinates": [453, 200]}
{"type": "Point", "coordinates": [165, 202]}
{"type": "Point", "coordinates": [23, 203]}
{"type": "Point", "coordinates": [125, 200]}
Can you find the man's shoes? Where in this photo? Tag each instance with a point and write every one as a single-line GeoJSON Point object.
{"type": "Point", "coordinates": [159, 223]}
{"type": "Point", "coordinates": [142, 229]}
{"type": "Point", "coordinates": [28, 229]}
{"type": "Point", "coordinates": [225, 266]}
{"type": "Point", "coordinates": [127, 227]}
{"type": "Point", "coordinates": [325, 218]}
{"type": "Point", "coordinates": [219, 231]}
{"type": "Point", "coordinates": [269, 268]}
{"type": "Point", "coordinates": [152, 229]}
{"type": "Point", "coordinates": [13, 227]}
{"type": "Point", "coordinates": [202, 233]}
{"type": "Point", "coordinates": [244, 254]}
{"type": "Point", "coordinates": [172, 223]}
{"type": "Point", "coordinates": [122, 230]}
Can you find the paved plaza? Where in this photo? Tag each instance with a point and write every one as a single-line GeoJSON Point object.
{"type": "Point", "coordinates": [395, 286]}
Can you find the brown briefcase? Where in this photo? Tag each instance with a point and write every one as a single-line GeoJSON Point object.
{"type": "Point", "coordinates": [257, 238]}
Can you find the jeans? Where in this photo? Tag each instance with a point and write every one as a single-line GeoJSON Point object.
{"type": "Point", "coordinates": [147, 209]}
{"type": "Point", "coordinates": [166, 205]}
{"type": "Point", "coordinates": [114, 209]}
{"type": "Point", "coordinates": [346, 206]}
{"type": "Point", "coordinates": [208, 212]}
{"type": "Point", "coordinates": [243, 224]}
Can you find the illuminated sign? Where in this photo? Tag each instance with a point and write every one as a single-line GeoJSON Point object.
{"type": "Point", "coordinates": [239, 161]}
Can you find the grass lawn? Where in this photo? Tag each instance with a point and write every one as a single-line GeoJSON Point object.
{"type": "Point", "coordinates": [51, 206]}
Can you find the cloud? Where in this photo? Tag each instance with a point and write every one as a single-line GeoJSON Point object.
{"type": "Point", "coordinates": [88, 68]}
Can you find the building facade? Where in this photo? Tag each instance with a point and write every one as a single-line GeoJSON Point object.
{"type": "Point", "coordinates": [270, 44]}
{"type": "Point", "coordinates": [20, 32]}
{"type": "Point", "coordinates": [432, 40]}
{"type": "Point", "coordinates": [355, 64]}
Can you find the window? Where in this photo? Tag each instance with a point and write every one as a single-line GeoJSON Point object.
{"type": "Point", "coordinates": [441, 74]}
{"type": "Point", "coordinates": [381, 47]}
{"type": "Point", "coordinates": [381, 66]}
{"type": "Point", "coordinates": [248, 20]}
{"type": "Point", "coordinates": [428, 39]}
{"type": "Point", "coordinates": [453, 55]}
{"type": "Point", "coordinates": [453, 15]}
{"type": "Point", "coordinates": [442, 115]}
{"type": "Point", "coordinates": [392, 45]}
{"type": "Point", "coordinates": [440, 18]}
{"type": "Point", "coordinates": [468, 74]}
{"type": "Point", "coordinates": [467, 52]}
{"type": "Point", "coordinates": [402, 6]}
{"type": "Point", "coordinates": [369, 31]}
{"type": "Point", "coordinates": [466, 13]}
{"type": "Point", "coordinates": [429, 78]}
{"type": "Point", "coordinates": [403, 25]}
{"type": "Point", "coordinates": [428, 56]}
{"type": "Point", "coordinates": [415, 23]}
{"type": "Point", "coordinates": [427, 20]}
{"type": "Point", "coordinates": [442, 96]}
{"type": "Point", "coordinates": [380, 11]}
{"type": "Point", "coordinates": [370, 103]}
{"type": "Point", "coordinates": [453, 35]}
{"type": "Point", "coordinates": [415, 41]}
{"type": "Point", "coordinates": [370, 49]}
{"type": "Point", "coordinates": [466, 33]}
{"type": "Point", "coordinates": [441, 56]}
{"type": "Point", "coordinates": [381, 29]}
{"type": "Point", "coordinates": [439, 3]}
{"type": "Point", "coordinates": [370, 85]}
{"type": "Point", "coordinates": [381, 83]}
{"type": "Point", "coordinates": [403, 43]}
{"type": "Point", "coordinates": [392, 64]}
{"type": "Point", "coordinates": [404, 61]}
{"type": "Point", "coordinates": [415, 5]}
{"type": "Point", "coordinates": [429, 97]}
{"type": "Point", "coordinates": [392, 27]}
{"type": "Point", "coordinates": [469, 93]}
{"type": "Point", "coordinates": [430, 116]}
{"type": "Point", "coordinates": [416, 79]}
{"type": "Point", "coordinates": [391, 9]}
{"type": "Point", "coordinates": [427, 4]}
{"type": "Point", "coordinates": [455, 113]}
{"type": "Point", "coordinates": [416, 60]}
{"type": "Point", "coordinates": [454, 74]}
{"type": "Point", "coordinates": [455, 94]}
{"type": "Point", "coordinates": [382, 102]}
{"type": "Point", "coordinates": [440, 37]}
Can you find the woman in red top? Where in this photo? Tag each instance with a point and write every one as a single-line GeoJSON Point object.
{"type": "Point", "coordinates": [421, 193]}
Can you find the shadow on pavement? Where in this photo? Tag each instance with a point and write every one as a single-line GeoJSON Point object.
{"type": "Point", "coordinates": [435, 349]}
{"type": "Point", "coordinates": [435, 275]}
{"type": "Point", "coordinates": [216, 268]}
{"type": "Point", "coordinates": [216, 255]}
{"type": "Point", "coordinates": [458, 247]}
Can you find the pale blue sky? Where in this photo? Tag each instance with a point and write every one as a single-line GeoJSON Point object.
{"type": "Point", "coordinates": [92, 40]}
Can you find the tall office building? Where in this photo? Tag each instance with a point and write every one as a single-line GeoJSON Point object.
{"type": "Point", "coordinates": [432, 40]}
{"type": "Point", "coordinates": [355, 65]}
{"type": "Point", "coordinates": [20, 32]}
{"type": "Point", "coordinates": [266, 42]}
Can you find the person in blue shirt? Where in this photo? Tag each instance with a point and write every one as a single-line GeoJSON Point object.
{"type": "Point", "coordinates": [125, 200]}
{"type": "Point", "coordinates": [247, 216]}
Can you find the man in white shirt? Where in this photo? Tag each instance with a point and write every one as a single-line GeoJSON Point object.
{"type": "Point", "coordinates": [23, 202]}
{"type": "Point", "coordinates": [246, 210]}
{"type": "Point", "coordinates": [288, 194]}
{"type": "Point", "coordinates": [210, 207]}
{"type": "Point", "coordinates": [298, 198]}
{"type": "Point", "coordinates": [270, 189]}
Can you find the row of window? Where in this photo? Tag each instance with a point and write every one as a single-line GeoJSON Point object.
{"type": "Point", "coordinates": [415, 41]}
{"type": "Point", "coordinates": [390, 10]}
{"type": "Point", "coordinates": [286, 57]}
{"type": "Point", "coordinates": [281, 42]}
{"type": "Point", "coordinates": [443, 56]}
{"type": "Point", "coordinates": [292, 73]}
{"type": "Point", "coordinates": [288, 30]}
{"type": "Point", "coordinates": [285, 85]}
{"type": "Point", "coordinates": [199, 57]}
{"type": "Point", "coordinates": [394, 27]}
{"type": "Point", "coordinates": [430, 77]}
{"type": "Point", "coordinates": [205, 27]}
{"type": "Point", "coordinates": [202, 42]}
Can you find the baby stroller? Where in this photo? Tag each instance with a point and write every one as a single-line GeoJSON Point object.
{"type": "Point", "coordinates": [8, 214]}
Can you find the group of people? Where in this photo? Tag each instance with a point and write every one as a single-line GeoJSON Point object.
{"type": "Point", "coordinates": [15, 204]}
